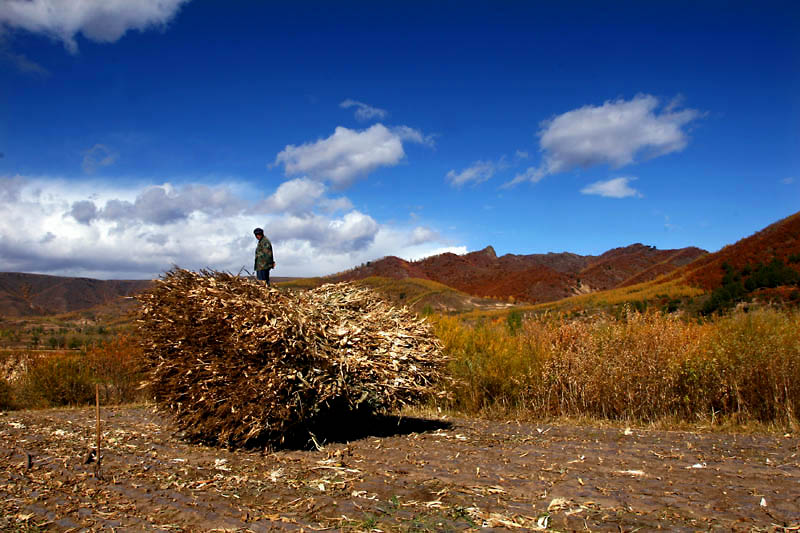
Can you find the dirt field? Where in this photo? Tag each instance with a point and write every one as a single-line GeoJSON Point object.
{"type": "Point", "coordinates": [399, 475]}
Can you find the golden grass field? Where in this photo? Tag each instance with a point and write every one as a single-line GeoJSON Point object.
{"type": "Point", "coordinates": [641, 367]}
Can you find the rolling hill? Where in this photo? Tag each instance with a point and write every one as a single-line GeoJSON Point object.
{"type": "Point", "coordinates": [37, 294]}
{"type": "Point", "coordinates": [780, 240]}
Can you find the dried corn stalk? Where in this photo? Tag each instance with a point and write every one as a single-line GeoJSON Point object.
{"type": "Point", "coordinates": [238, 363]}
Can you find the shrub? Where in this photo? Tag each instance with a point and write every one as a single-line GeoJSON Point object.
{"type": "Point", "coordinates": [734, 289]}
{"type": "Point", "coordinates": [57, 380]}
{"type": "Point", "coordinates": [116, 367]}
{"type": "Point", "coordinates": [6, 395]}
{"type": "Point", "coordinates": [514, 321]}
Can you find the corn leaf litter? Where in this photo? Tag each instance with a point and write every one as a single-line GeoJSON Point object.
{"type": "Point", "coordinates": [238, 363]}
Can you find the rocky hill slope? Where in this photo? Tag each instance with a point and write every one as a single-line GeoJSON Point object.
{"type": "Point", "coordinates": [780, 240]}
{"type": "Point", "coordinates": [533, 277]}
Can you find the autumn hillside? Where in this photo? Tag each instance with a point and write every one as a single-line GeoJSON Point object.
{"type": "Point", "coordinates": [780, 240]}
{"type": "Point", "coordinates": [36, 294]}
{"type": "Point", "coordinates": [534, 277]}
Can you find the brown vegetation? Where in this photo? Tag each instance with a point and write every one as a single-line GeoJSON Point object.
{"type": "Point", "coordinates": [641, 367]}
{"type": "Point", "coordinates": [54, 378]}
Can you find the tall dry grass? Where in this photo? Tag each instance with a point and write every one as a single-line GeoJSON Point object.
{"type": "Point", "coordinates": [643, 366]}
{"type": "Point", "coordinates": [52, 379]}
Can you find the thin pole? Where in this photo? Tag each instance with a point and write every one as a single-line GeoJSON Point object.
{"type": "Point", "coordinates": [97, 415]}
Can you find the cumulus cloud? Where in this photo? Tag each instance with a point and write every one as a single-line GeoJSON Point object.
{"type": "Point", "coordinates": [615, 134]}
{"type": "Point", "coordinates": [96, 157]}
{"type": "Point", "coordinates": [10, 189]}
{"type": "Point", "coordinates": [83, 211]}
{"type": "Point", "coordinates": [353, 232]}
{"type": "Point", "coordinates": [364, 112]}
{"type": "Point", "coordinates": [98, 20]}
{"type": "Point", "coordinates": [302, 196]}
{"type": "Point", "coordinates": [348, 154]}
{"type": "Point", "coordinates": [332, 205]}
{"type": "Point", "coordinates": [160, 205]}
{"type": "Point", "coordinates": [294, 196]}
{"type": "Point", "coordinates": [94, 229]}
{"type": "Point", "coordinates": [613, 188]}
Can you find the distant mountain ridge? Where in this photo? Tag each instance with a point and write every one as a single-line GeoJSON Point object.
{"type": "Point", "coordinates": [533, 277]}
{"type": "Point", "coordinates": [24, 294]}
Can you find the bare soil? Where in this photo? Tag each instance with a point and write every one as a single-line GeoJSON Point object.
{"type": "Point", "coordinates": [393, 474]}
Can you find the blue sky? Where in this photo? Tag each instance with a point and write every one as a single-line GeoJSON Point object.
{"type": "Point", "coordinates": [137, 134]}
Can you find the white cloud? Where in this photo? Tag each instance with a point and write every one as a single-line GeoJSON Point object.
{"type": "Point", "coordinates": [478, 172]}
{"type": "Point", "coordinates": [10, 189]}
{"type": "Point", "coordinates": [332, 205]}
{"type": "Point", "coordinates": [302, 196]}
{"type": "Point", "coordinates": [160, 205]}
{"type": "Point", "coordinates": [364, 112]}
{"type": "Point", "coordinates": [422, 235]}
{"type": "Point", "coordinates": [406, 133]}
{"type": "Point", "coordinates": [613, 188]}
{"type": "Point", "coordinates": [86, 228]}
{"type": "Point", "coordinates": [352, 232]}
{"type": "Point", "coordinates": [531, 174]}
{"type": "Point", "coordinates": [348, 154]}
{"type": "Point", "coordinates": [294, 196]}
{"type": "Point", "coordinates": [96, 157]}
{"type": "Point", "coordinates": [98, 20]}
{"type": "Point", "coordinates": [615, 133]}
{"type": "Point", "coordinates": [481, 171]}
{"type": "Point", "coordinates": [787, 181]}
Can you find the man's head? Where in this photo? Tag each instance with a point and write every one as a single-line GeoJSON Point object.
{"type": "Point", "coordinates": [258, 232]}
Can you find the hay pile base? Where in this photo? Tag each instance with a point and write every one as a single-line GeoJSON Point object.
{"type": "Point", "coordinates": [241, 364]}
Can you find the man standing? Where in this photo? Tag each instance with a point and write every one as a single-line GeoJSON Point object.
{"type": "Point", "coordinates": [264, 259]}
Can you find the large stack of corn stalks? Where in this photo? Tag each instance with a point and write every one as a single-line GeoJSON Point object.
{"type": "Point", "coordinates": [240, 364]}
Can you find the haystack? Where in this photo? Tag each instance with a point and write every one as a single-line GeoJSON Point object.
{"type": "Point", "coordinates": [238, 363]}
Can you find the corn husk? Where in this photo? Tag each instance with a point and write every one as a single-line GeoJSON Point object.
{"type": "Point", "coordinates": [238, 363]}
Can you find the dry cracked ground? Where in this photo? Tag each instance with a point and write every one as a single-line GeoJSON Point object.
{"type": "Point", "coordinates": [395, 475]}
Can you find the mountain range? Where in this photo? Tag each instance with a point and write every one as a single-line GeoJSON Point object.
{"type": "Point", "coordinates": [532, 278]}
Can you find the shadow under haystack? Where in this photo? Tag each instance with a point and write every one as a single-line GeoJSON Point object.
{"type": "Point", "coordinates": [238, 363]}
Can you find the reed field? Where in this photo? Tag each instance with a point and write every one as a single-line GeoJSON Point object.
{"type": "Point", "coordinates": [641, 367]}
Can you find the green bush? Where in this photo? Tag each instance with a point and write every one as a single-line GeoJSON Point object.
{"type": "Point", "coordinates": [514, 322]}
{"type": "Point", "coordinates": [737, 285]}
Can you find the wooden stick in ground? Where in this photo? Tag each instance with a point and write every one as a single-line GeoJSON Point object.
{"type": "Point", "coordinates": [97, 415]}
